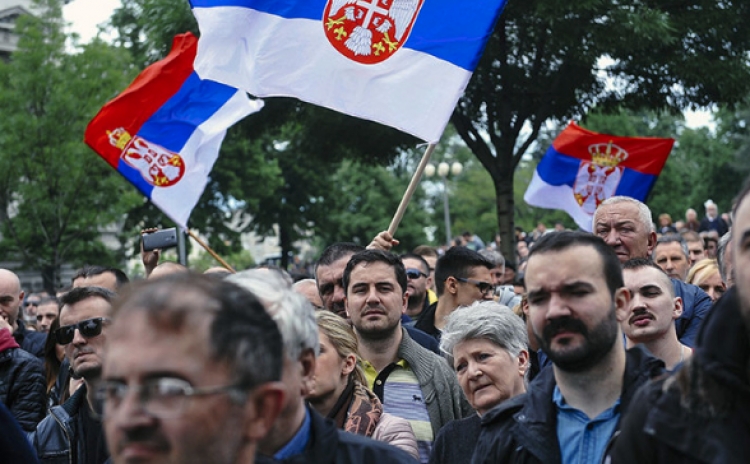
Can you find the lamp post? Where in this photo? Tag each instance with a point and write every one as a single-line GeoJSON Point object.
{"type": "Point", "coordinates": [443, 170]}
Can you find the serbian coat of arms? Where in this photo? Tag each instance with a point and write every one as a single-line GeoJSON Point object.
{"type": "Point", "coordinates": [369, 31]}
{"type": "Point", "coordinates": [158, 166]}
{"type": "Point", "coordinates": [598, 179]}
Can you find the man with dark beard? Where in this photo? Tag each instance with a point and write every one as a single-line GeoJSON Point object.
{"type": "Point", "coordinates": [575, 286]}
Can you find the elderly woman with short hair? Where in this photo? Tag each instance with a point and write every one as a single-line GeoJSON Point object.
{"type": "Point", "coordinates": [487, 345]}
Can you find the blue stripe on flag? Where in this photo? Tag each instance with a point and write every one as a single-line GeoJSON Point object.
{"type": "Point", "coordinates": [558, 169]}
{"type": "Point", "coordinates": [291, 9]}
{"type": "Point", "coordinates": [635, 184]}
{"type": "Point", "coordinates": [196, 101]}
{"type": "Point", "coordinates": [134, 177]}
{"type": "Point", "coordinates": [444, 28]}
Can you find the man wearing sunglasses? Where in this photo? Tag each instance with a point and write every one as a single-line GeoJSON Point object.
{"type": "Point", "coordinates": [11, 297]}
{"type": "Point", "coordinates": [71, 429]}
{"type": "Point", "coordinates": [418, 280]}
{"type": "Point", "coordinates": [462, 277]}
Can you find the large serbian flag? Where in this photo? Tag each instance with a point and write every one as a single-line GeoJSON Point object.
{"type": "Point", "coordinates": [163, 133]}
{"type": "Point", "coordinates": [403, 63]}
{"type": "Point", "coordinates": [582, 168]}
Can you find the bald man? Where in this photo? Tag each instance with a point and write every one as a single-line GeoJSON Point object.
{"type": "Point", "coordinates": [167, 268]}
{"type": "Point", "coordinates": [11, 297]}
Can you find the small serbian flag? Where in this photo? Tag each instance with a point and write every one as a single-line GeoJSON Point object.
{"type": "Point", "coordinates": [163, 133]}
{"type": "Point", "coordinates": [582, 169]}
{"type": "Point", "coordinates": [403, 63]}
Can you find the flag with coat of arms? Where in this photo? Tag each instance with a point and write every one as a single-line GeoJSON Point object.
{"type": "Point", "coordinates": [164, 132]}
{"type": "Point", "coordinates": [583, 168]}
{"type": "Point", "coordinates": [403, 63]}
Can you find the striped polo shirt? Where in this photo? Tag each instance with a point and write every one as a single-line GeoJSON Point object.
{"type": "Point", "coordinates": [399, 391]}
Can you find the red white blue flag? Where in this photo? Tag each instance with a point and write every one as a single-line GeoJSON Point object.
{"type": "Point", "coordinates": [582, 169]}
{"type": "Point", "coordinates": [164, 132]}
{"type": "Point", "coordinates": [403, 63]}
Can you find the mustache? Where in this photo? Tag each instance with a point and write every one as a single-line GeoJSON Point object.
{"type": "Point", "coordinates": [563, 324]}
{"type": "Point", "coordinates": [638, 313]}
{"type": "Point", "coordinates": [143, 436]}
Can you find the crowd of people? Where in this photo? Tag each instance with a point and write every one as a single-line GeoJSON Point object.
{"type": "Point", "coordinates": [629, 344]}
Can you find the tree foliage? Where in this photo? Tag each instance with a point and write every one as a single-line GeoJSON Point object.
{"type": "Point", "coordinates": [550, 60]}
{"type": "Point", "coordinates": [56, 195]}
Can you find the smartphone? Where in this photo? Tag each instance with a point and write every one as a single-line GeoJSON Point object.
{"type": "Point", "coordinates": [161, 239]}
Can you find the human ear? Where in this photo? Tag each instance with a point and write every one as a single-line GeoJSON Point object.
{"type": "Point", "coordinates": [262, 408]}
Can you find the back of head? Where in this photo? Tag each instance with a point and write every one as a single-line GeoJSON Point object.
{"type": "Point", "coordinates": [167, 268]}
{"type": "Point", "coordinates": [291, 311]}
{"type": "Point", "coordinates": [560, 241]}
{"type": "Point", "coordinates": [89, 271]}
{"type": "Point", "coordinates": [241, 334]}
{"type": "Point", "coordinates": [457, 262]}
{"type": "Point", "coordinates": [426, 250]}
{"type": "Point", "coordinates": [377, 256]}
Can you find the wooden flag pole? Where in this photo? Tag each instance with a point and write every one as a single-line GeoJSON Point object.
{"type": "Point", "coordinates": [211, 252]}
{"type": "Point", "coordinates": [410, 190]}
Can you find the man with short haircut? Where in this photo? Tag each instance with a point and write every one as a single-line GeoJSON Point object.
{"type": "Point", "coordinates": [625, 224]}
{"type": "Point", "coordinates": [572, 410]}
{"type": "Point", "coordinates": [463, 277]}
{"type": "Point", "coordinates": [329, 272]}
{"type": "Point", "coordinates": [649, 318]}
{"type": "Point", "coordinates": [71, 431]}
{"type": "Point", "coordinates": [46, 313]}
{"type": "Point", "coordinates": [504, 293]}
{"type": "Point", "coordinates": [191, 373]}
{"type": "Point", "coordinates": [696, 247]}
{"type": "Point", "coordinates": [300, 434]}
{"type": "Point", "coordinates": [430, 255]}
{"type": "Point", "coordinates": [411, 382]}
{"type": "Point", "coordinates": [11, 297]}
{"type": "Point", "coordinates": [329, 275]}
{"type": "Point", "coordinates": [99, 276]}
{"type": "Point", "coordinates": [672, 255]}
{"type": "Point", "coordinates": [418, 281]}
{"type": "Point", "coordinates": [700, 413]}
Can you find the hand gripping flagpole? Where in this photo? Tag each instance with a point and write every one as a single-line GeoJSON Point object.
{"type": "Point", "coordinates": [410, 189]}
{"type": "Point", "coordinates": [211, 252]}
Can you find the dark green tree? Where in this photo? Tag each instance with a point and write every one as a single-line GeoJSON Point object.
{"type": "Point", "coordinates": [56, 196]}
{"type": "Point", "coordinates": [550, 60]}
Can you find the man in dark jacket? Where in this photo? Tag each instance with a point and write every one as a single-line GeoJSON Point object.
{"type": "Point", "coordinates": [11, 297]}
{"type": "Point", "coordinates": [627, 226]}
{"type": "Point", "coordinates": [700, 414]}
{"type": "Point", "coordinates": [22, 387]}
{"type": "Point", "coordinates": [575, 286]}
{"type": "Point", "coordinates": [71, 433]}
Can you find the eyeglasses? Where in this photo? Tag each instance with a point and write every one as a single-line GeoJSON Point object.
{"type": "Point", "coordinates": [163, 397]}
{"type": "Point", "coordinates": [484, 287]}
{"type": "Point", "coordinates": [413, 274]}
{"type": "Point", "coordinates": [88, 328]}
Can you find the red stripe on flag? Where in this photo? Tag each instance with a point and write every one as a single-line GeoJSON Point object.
{"type": "Point", "coordinates": [145, 95]}
{"type": "Point", "coordinates": [646, 155]}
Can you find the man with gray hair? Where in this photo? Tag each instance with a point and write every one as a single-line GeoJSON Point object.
{"type": "Point", "coordinates": [300, 432]}
{"type": "Point", "coordinates": [626, 226]}
{"type": "Point", "coordinates": [671, 254]}
{"type": "Point", "coordinates": [724, 259]}
{"type": "Point", "coordinates": [504, 293]}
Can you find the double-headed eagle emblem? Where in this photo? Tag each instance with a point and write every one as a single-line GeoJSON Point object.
{"type": "Point", "coordinates": [369, 31]}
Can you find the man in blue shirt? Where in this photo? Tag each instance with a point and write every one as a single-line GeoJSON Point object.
{"type": "Point", "coordinates": [575, 286]}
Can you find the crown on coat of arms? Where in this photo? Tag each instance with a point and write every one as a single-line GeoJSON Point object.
{"type": "Point", "coordinates": [119, 137]}
{"type": "Point", "coordinates": [607, 154]}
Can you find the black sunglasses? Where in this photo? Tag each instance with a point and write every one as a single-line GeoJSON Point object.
{"type": "Point", "coordinates": [484, 287]}
{"type": "Point", "coordinates": [414, 274]}
{"type": "Point", "coordinates": [88, 328]}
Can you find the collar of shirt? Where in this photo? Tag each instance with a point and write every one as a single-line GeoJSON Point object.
{"type": "Point", "coordinates": [298, 443]}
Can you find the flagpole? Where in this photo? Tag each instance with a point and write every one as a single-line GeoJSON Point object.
{"type": "Point", "coordinates": [210, 251]}
{"type": "Point", "coordinates": [410, 189]}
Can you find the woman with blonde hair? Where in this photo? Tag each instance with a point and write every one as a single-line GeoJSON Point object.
{"type": "Point", "coordinates": [340, 391]}
{"type": "Point", "coordinates": [705, 274]}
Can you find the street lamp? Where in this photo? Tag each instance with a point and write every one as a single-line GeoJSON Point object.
{"type": "Point", "coordinates": [443, 170]}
